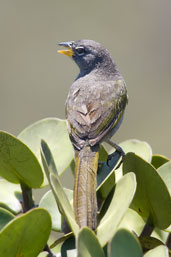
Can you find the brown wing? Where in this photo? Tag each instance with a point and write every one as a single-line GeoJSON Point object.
{"type": "Point", "coordinates": [93, 110]}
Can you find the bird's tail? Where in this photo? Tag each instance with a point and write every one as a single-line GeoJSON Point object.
{"type": "Point", "coordinates": [85, 203]}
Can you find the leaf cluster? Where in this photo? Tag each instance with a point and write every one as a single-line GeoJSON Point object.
{"type": "Point", "coordinates": [134, 200]}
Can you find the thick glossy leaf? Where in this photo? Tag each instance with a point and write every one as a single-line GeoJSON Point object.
{"type": "Point", "coordinates": [5, 217]}
{"type": "Point", "coordinates": [68, 246]}
{"type": "Point", "coordinates": [124, 244]}
{"type": "Point", "coordinates": [141, 148]}
{"type": "Point", "coordinates": [160, 234]}
{"type": "Point", "coordinates": [26, 235]}
{"type": "Point", "coordinates": [148, 243]}
{"type": "Point", "coordinates": [56, 249]}
{"type": "Point", "coordinates": [103, 154]}
{"type": "Point", "coordinates": [106, 177]}
{"type": "Point", "coordinates": [61, 240]}
{"type": "Point", "coordinates": [104, 205]}
{"type": "Point", "coordinates": [64, 204]}
{"type": "Point", "coordinates": [48, 157]}
{"type": "Point", "coordinates": [88, 244]}
{"type": "Point", "coordinates": [57, 189]}
{"type": "Point", "coordinates": [49, 203]}
{"type": "Point", "coordinates": [72, 253]}
{"type": "Point", "coordinates": [54, 132]}
{"type": "Point", "coordinates": [158, 160]}
{"type": "Point", "coordinates": [168, 229]}
{"type": "Point", "coordinates": [106, 184]}
{"type": "Point", "coordinates": [165, 172]}
{"type": "Point", "coordinates": [10, 196]}
{"type": "Point", "coordinates": [43, 254]}
{"type": "Point", "coordinates": [152, 198]}
{"type": "Point", "coordinates": [123, 195]}
{"type": "Point", "coordinates": [133, 222]}
{"type": "Point", "coordinates": [106, 174]}
{"type": "Point", "coordinates": [18, 163]}
{"type": "Point", "coordinates": [159, 251]}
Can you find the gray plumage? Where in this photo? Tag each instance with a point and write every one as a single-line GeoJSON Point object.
{"type": "Point", "coordinates": [98, 96]}
{"type": "Point", "coordinates": [94, 111]}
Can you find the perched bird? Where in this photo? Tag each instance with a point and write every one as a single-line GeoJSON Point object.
{"type": "Point", "coordinates": [94, 110]}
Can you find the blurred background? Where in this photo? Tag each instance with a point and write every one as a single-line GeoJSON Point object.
{"type": "Point", "coordinates": [34, 79]}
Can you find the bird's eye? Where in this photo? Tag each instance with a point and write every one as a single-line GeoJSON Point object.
{"type": "Point", "coordinates": [80, 50]}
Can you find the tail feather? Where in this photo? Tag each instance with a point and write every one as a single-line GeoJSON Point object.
{"type": "Point", "coordinates": [85, 203]}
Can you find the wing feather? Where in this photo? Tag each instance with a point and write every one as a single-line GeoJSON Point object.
{"type": "Point", "coordinates": [95, 110]}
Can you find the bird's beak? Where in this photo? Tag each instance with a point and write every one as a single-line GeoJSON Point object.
{"type": "Point", "coordinates": [69, 52]}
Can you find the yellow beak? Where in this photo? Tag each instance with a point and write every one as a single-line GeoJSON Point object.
{"type": "Point", "coordinates": [67, 52]}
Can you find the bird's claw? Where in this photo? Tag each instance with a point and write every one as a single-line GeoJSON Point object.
{"type": "Point", "coordinates": [122, 155]}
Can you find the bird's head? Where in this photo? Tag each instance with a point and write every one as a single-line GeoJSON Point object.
{"type": "Point", "coordinates": [87, 54]}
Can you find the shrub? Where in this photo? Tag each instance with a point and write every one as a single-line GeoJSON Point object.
{"type": "Point", "coordinates": [134, 200]}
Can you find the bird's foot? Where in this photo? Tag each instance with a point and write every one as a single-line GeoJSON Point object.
{"type": "Point", "coordinates": [119, 151]}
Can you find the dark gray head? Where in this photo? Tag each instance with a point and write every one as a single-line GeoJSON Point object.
{"type": "Point", "coordinates": [89, 55]}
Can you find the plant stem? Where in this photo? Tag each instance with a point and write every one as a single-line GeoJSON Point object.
{"type": "Point", "coordinates": [168, 242]}
{"type": "Point", "coordinates": [47, 249]}
{"type": "Point", "coordinates": [148, 228]}
{"type": "Point", "coordinates": [28, 202]}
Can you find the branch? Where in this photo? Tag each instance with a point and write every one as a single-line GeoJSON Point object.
{"type": "Point", "coordinates": [148, 228]}
{"type": "Point", "coordinates": [168, 242]}
{"type": "Point", "coordinates": [47, 249]}
{"type": "Point", "coordinates": [28, 202]}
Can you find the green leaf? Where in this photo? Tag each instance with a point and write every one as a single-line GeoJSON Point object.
{"type": "Point", "coordinates": [56, 248]}
{"type": "Point", "coordinates": [168, 229]}
{"type": "Point", "coordinates": [138, 147]}
{"type": "Point", "coordinates": [10, 196]}
{"type": "Point", "coordinates": [141, 148]}
{"type": "Point", "coordinates": [165, 172]}
{"type": "Point", "coordinates": [57, 189]}
{"type": "Point", "coordinates": [60, 240]}
{"type": "Point", "coordinates": [103, 154]}
{"type": "Point", "coordinates": [26, 235]}
{"type": "Point", "coordinates": [158, 160]}
{"type": "Point", "coordinates": [148, 242]}
{"type": "Point", "coordinates": [106, 177]}
{"type": "Point", "coordinates": [47, 158]}
{"type": "Point", "coordinates": [49, 203]}
{"type": "Point", "coordinates": [133, 222]}
{"type": "Point", "coordinates": [104, 205]}
{"type": "Point", "coordinates": [54, 132]}
{"type": "Point", "coordinates": [72, 253]}
{"type": "Point", "coordinates": [106, 173]}
{"type": "Point", "coordinates": [107, 182]}
{"type": "Point", "coordinates": [124, 244]}
{"type": "Point", "coordinates": [67, 246]}
{"type": "Point", "coordinates": [5, 217]}
{"type": "Point", "coordinates": [88, 244]}
{"type": "Point", "coordinates": [18, 163]}
{"type": "Point", "coordinates": [64, 204]}
{"type": "Point", "coordinates": [123, 195]}
{"type": "Point", "coordinates": [159, 251]}
{"type": "Point", "coordinates": [152, 198]}
{"type": "Point", "coordinates": [160, 234]}
{"type": "Point", "coordinates": [43, 254]}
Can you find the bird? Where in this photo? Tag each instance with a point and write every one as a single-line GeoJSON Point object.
{"type": "Point", "coordinates": [94, 109]}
